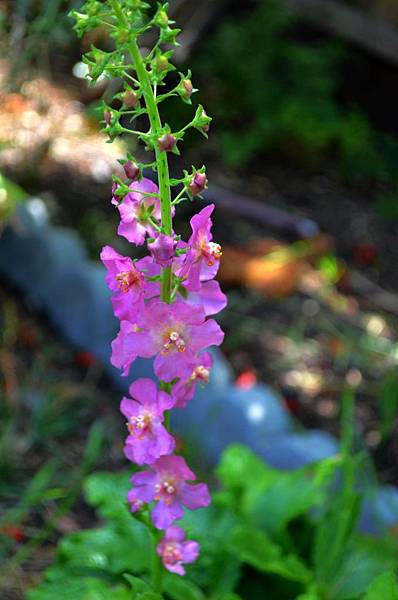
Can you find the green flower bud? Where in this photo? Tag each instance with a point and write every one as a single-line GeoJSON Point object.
{"type": "Point", "coordinates": [202, 120]}
{"type": "Point", "coordinates": [161, 63]}
{"type": "Point", "coordinates": [161, 19]}
{"type": "Point", "coordinates": [122, 36]}
{"type": "Point", "coordinates": [185, 90]}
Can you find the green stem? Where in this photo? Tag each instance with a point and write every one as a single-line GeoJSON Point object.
{"type": "Point", "coordinates": [161, 156]}
{"type": "Point", "coordinates": [181, 193]}
{"type": "Point", "coordinates": [156, 574]}
{"type": "Point", "coordinates": [347, 437]}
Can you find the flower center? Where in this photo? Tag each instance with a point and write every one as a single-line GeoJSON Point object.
{"type": "Point", "coordinates": [200, 373]}
{"type": "Point", "coordinates": [126, 279]}
{"type": "Point", "coordinates": [140, 425]}
{"type": "Point", "coordinates": [211, 251]}
{"type": "Point", "coordinates": [165, 491]}
{"type": "Point", "coordinates": [173, 341]}
{"type": "Point", "coordinates": [172, 554]}
{"type": "Point", "coordinates": [145, 210]}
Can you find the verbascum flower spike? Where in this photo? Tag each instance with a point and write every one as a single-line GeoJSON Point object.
{"type": "Point", "coordinates": [164, 300]}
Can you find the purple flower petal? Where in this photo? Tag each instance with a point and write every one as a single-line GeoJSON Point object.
{"type": "Point", "coordinates": [195, 496]}
{"type": "Point", "coordinates": [205, 335]}
{"type": "Point", "coordinates": [171, 366]}
{"type": "Point", "coordinates": [134, 232]}
{"type": "Point", "coordinates": [145, 391]}
{"type": "Point", "coordinates": [190, 551]}
{"type": "Point", "coordinates": [129, 408]}
{"type": "Point", "coordinates": [209, 297]}
{"type": "Point", "coordinates": [175, 534]}
{"type": "Point", "coordinates": [163, 514]}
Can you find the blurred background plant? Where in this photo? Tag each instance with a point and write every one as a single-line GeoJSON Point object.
{"type": "Point", "coordinates": [274, 85]}
{"type": "Point", "coordinates": [33, 32]}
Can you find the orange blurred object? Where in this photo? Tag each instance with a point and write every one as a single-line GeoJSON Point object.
{"type": "Point", "coordinates": [268, 266]}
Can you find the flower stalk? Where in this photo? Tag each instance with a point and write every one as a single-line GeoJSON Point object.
{"type": "Point", "coordinates": [163, 300]}
{"type": "Point", "coordinates": [161, 156]}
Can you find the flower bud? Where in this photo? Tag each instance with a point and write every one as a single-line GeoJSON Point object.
{"type": "Point", "coordinates": [108, 117]}
{"type": "Point", "coordinates": [167, 142]}
{"type": "Point", "coordinates": [162, 249]}
{"type": "Point", "coordinates": [161, 63]}
{"type": "Point", "coordinates": [186, 88]}
{"type": "Point", "coordinates": [197, 184]}
{"type": "Point", "coordinates": [162, 19]}
{"type": "Point", "coordinates": [130, 99]}
{"type": "Point", "coordinates": [132, 170]}
{"type": "Point", "coordinates": [206, 126]}
{"type": "Point", "coordinates": [122, 36]}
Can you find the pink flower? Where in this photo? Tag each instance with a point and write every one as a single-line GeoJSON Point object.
{"type": "Point", "coordinates": [162, 249]}
{"type": "Point", "coordinates": [176, 551]}
{"type": "Point", "coordinates": [184, 390]}
{"type": "Point", "coordinates": [128, 280]}
{"type": "Point", "coordinates": [174, 333]}
{"type": "Point", "coordinates": [122, 350]}
{"type": "Point", "coordinates": [148, 439]}
{"type": "Point", "coordinates": [166, 484]}
{"type": "Point", "coordinates": [203, 257]}
{"type": "Point", "coordinates": [209, 297]}
{"type": "Point", "coordinates": [137, 210]}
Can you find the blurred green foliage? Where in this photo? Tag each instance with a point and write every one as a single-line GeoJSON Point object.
{"type": "Point", "coordinates": [33, 29]}
{"type": "Point", "coordinates": [272, 87]}
{"type": "Point", "coordinates": [267, 531]}
{"type": "Point", "coordinates": [10, 196]}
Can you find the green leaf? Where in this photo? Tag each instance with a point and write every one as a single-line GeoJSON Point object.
{"type": "Point", "coordinates": [108, 493]}
{"type": "Point", "coordinates": [333, 534]}
{"type": "Point", "coordinates": [93, 449]}
{"type": "Point", "coordinates": [84, 588]}
{"type": "Point", "coordinates": [217, 570]}
{"type": "Point", "coordinates": [110, 548]}
{"type": "Point", "coordinates": [253, 547]}
{"type": "Point", "coordinates": [271, 507]}
{"type": "Point", "coordinates": [240, 468]}
{"type": "Point", "coordinates": [383, 587]}
{"type": "Point", "coordinates": [310, 594]}
{"type": "Point", "coordinates": [181, 589]}
{"type": "Point", "coordinates": [149, 596]}
{"type": "Point", "coordinates": [364, 560]}
{"type": "Point", "coordinates": [268, 498]}
{"type": "Point", "coordinates": [137, 584]}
